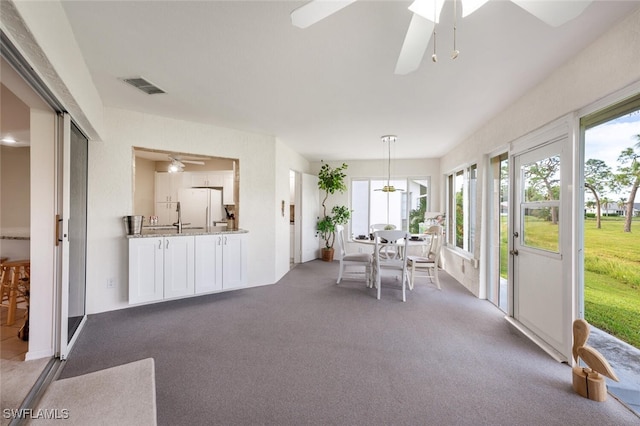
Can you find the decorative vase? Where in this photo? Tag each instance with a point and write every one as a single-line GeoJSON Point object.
{"type": "Point", "coordinates": [327, 254]}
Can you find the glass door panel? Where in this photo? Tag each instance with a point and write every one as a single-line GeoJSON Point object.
{"type": "Point", "coordinates": [77, 230]}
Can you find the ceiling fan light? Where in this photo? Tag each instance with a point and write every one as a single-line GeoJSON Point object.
{"type": "Point", "coordinates": [427, 9]}
{"type": "Point", "coordinates": [174, 167]}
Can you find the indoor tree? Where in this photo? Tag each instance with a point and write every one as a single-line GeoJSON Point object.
{"type": "Point", "coordinates": [331, 180]}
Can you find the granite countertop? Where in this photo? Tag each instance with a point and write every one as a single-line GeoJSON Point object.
{"type": "Point", "coordinates": [162, 231]}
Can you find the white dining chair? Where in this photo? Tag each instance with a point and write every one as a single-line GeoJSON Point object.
{"type": "Point", "coordinates": [387, 239]}
{"type": "Point", "coordinates": [363, 260]}
{"type": "Point", "coordinates": [428, 262]}
{"type": "Point", "coordinates": [388, 251]}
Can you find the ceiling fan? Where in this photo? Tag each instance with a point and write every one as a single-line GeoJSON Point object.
{"type": "Point", "coordinates": [426, 14]}
{"type": "Point", "coordinates": [177, 164]}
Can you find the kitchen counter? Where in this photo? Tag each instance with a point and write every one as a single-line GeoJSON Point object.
{"type": "Point", "coordinates": [162, 231]}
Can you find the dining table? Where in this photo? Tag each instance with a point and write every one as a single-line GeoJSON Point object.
{"type": "Point", "coordinates": [419, 240]}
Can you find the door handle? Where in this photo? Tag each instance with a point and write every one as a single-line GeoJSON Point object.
{"type": "Point", "coordinates": [513, 252]}
{"type": "Point", "coordinates": [58, 229]}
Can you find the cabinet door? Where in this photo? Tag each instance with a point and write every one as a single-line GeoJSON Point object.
{"type": "Point", "coordinates": [145, 270]}
{"type": "Point", "coordinates": [166, 196]}
{"type": "Point", "coordinates": [178, 266]}
{"type": "Point", "coordinates": [198, 179]}
{"type": "Point", "coordinates": [234, 261]}
{"type": "Point", "coordinates": [208, 263]}
{"type": "Point", "coordinates": [228, 195]}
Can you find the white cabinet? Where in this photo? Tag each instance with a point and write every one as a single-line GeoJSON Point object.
{"type": "Point", "coordinates": [160, 268]}
{"type": "Point", "coordinates": [221, 262]}
{"type": "Point", "coordinates": [208, 264]}
{"type": "Point", "coordinates": [234, 261]}
{"type": "Point", "coordinates": [178, 266]}
{"type": "Point", "coordinates": [224, 179]}
{"type": "Point", "coordinates": [207, 179]}
{"type": "Point", "coordinates": [146, 273]}
{"type": "Point", "coordinates": [228, 194]}
{"type": "Point", "coordinates": [167, 186]}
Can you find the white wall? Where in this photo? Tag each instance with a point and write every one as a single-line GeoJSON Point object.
{"type": "Point", "coordinates": [286, 160]}
{"type": "Point", "coordinates": [421, 167]}
{"type": "Point", "coordinates": [264, 181]}
{"type": "Point", "coordinates": [43, 191]}
{"type": "Point", "coordinates": [144, 188]}
{"type": "Point", "coordinates": [14, 189]}
{"type": "Point", "coordinates": [41, 31]}
{"type": "Point", "coordinates": [607, 65]}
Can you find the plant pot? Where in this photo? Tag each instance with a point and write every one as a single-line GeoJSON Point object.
{"type": "Point", "coordinates": [327, 254]}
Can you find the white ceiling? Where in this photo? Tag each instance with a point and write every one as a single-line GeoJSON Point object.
{"type": "Point", "coordinates": [328, 91]}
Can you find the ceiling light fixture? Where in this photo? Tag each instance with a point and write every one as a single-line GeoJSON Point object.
{"type": "Point", "coordinates": [175, 166]}
{"type": "Point", "coordinates": [9, 140]}
{"type": "Point", "coordinates": [389, 139]}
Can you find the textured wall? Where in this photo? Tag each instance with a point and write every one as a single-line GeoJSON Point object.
{"type": "Point", "coordinates": [609, 64]}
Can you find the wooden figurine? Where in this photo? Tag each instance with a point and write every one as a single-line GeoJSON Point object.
{"type": "Point", "coordinates": [589, 381]}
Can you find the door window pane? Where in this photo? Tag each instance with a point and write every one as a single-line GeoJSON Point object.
{"type": "Point", "coordinates": [542, 180]}
{"type": "Point", "coordinates": [539, 231]}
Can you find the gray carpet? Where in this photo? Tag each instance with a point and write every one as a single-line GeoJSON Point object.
{"type": "Point", "coordinates": [308, 351]}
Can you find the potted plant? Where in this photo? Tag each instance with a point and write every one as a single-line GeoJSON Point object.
{"type": "Point", "coordinates": [331, 180]}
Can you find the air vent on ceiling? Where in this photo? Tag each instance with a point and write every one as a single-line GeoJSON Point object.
{"type": "Point", "coordinates": [144, 85]}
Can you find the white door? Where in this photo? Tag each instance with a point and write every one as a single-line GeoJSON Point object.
{"type": "Point", "coordinates": [310, 209]}
{"type": "Point", "coordinates": [539, 245]}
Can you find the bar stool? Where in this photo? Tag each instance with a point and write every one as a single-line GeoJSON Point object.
{"type": "Point", "coordinates": [15, 285]}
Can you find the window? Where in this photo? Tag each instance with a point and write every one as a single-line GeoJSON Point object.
{"type": "Point", "coordinates": [461, 208]}
{"type": "Point", "coordinates": [404, 208]}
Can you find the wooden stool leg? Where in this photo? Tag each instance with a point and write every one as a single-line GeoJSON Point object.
{"type": "Point", "coordinates": [13, 298]}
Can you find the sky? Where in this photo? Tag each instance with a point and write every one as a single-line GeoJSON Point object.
{"type": "Point", "coordinates": [606, 141]}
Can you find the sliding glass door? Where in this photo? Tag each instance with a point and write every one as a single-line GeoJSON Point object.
{"type": "Point", "coordinates": [72, 233]}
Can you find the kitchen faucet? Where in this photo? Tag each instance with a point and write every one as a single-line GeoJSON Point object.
{"type": "Point", "coordinates": [178, 224]}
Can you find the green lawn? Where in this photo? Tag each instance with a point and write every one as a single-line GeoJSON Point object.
{"type": "Point", "coordinates": [612, 272]}
{"type": "Point", "coordinates": [612, 278]}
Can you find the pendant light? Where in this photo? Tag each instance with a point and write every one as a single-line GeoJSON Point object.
{"type": "Point", "coordinates": [388, 139]}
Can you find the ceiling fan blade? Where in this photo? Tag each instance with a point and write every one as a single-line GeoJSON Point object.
{"type": "Point", "coordinates": [428, 9]}
{"type": "Point", "coordinates": [470, 6]}
{"type": "Point", "coordinates": [316, 10]}
{"type": "Point", "coordinates": [415, 43]}
{"type": "Point", "coordinates": [554, 13]}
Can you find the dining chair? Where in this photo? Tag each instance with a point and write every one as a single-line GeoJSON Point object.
{"type": "Point", "coordinates": [387, 239]}
{"type": "Point", "coordinates": [428, 262]}
{"type": "Point", "coordinates": [352, 259]}
{"type": "Point", "coordinates": [388, 251]}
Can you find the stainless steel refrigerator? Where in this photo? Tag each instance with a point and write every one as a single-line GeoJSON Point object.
{"type": "Point", "coordinates": [201, 207]}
